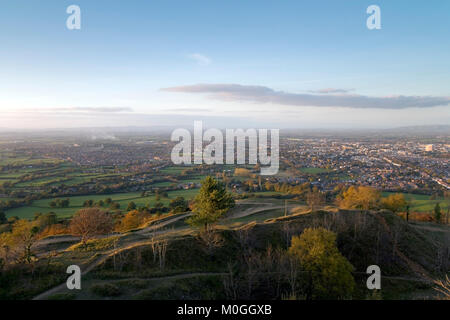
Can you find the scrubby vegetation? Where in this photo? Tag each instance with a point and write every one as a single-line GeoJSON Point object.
{"type": "Point", "coordinates": [278, 260]}
{"type": "Point", "coordinates": [281, 249]}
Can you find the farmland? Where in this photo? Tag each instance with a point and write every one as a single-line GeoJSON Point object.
{"type": "Point", "coordinates": [314, 170]}
{"type": "Point", "coordinates": [422, 202]}
{"type": "Point", "coordinates": [133, 184]}
{"type": "Point", "coordinates": [76, 203]}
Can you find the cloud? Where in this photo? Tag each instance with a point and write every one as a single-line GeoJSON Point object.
{"type": "Point", "coordinates": [82, 109]}
{"type": "Point", "coordinates": [97, 109]}
{"type": "Point", "coordinates": [188, 110]}
{"type": "Point", "coordinates": [261, 94]}
{"type": "Point", "coordinates": [331, 90]}
{"type": "Point", "coordinates": [200, 59]}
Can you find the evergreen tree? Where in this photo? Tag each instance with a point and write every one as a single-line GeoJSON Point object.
{"type": "Point", "coordinates": [437, 213]}
{"type": "Point", "coordinates": [211, 203]}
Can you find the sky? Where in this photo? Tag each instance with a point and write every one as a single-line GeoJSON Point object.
{"type": "Point", "coordinates": [264, 64]}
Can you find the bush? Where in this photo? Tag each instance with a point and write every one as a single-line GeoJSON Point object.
{"type": "Point", "coordinates": [95, 245]}
{"type": "Point", "coordinates": [133, 283]}
{"type": "Point", "coordinates": [106, 290]}
{"type": "Point", "coordinates": [329, 272]}
{"type": "Point", "coordinates": [195, 288]}
{"type": "Point", "coordinates": [62, 296]}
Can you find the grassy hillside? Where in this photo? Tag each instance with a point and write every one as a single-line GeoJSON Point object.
{"type": "Point", "coordinates": [247, 261]}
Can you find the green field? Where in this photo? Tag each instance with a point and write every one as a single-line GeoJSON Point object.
{"type": "Point", "coordinates": [46, 172]}
{"type": "Point", "coordinates": [175, 169]}
{"type": "Point", "coordinates": [421, 202]}
{"type": "Point", "coordinates": [181, 180]}
{"type": "Point", "coordinates": [59, 173]}
{"type": "Point", "coordinates": [314, 170]}
{"type": "Point", "coordinates": [25, 161]}
{"type": "Point", "coordinates": [76, 203]}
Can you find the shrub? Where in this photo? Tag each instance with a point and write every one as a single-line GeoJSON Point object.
{"type": "Point", "coordinates": [329, 272]}
{"type": "Point", "coordinates": [106, 290]}
{"type": "Point", "coordinates": [62, 296]}
{"type": "Point", "coordinates": [94, 245]}
{"type": "Point", "coordinates": [133, 283]}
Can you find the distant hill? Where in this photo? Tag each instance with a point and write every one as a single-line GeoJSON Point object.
{"type": "Point", "coordinates": [417, 130]}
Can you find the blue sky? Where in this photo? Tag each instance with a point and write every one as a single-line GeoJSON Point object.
{"type": "Point", "coordinates": [281, 55]}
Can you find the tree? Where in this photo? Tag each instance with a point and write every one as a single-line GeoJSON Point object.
{"type": "Point", "coordinates": [447, 199]}
{"type": "Point", "coordinates": [211, 203]}
{"type": "Point", "coordinates": [90, 222]}
{"type": "Point", "coordinates": [60, 203]}
{"type": "Point", "coordinates": [65, 203]}
{"type": "Point", "coordinates": [159, 206]}
{"type": "Point", "coordinates": [314, 198]}
{"type": "Point", "coordinates": [329, 273]}
{"type": "Point", "coordinates": [268, 186]}
{"type": "Point", "coordinates": [88, 203]}
{"type": "Point", "coordinates": [361, 197]}
{"type": "Point", "coordinates": [443, 286]}
{"type": "Point", "coordinates": [23, 236]}
{"type": "Point", "coordinates": [178, 205]}
{"type": "Point", "coordinates": [407, 211]}
{"type": "Point", "coordinates": [45, 220]}
{"type": "Point", "coordinates": [394, 202]}
{"type": "Point", "coordinates": [133, 219]}
{"type": "Point", "coordinates": [131, 206]}
{"type": "Point", "coordinates": [3, 219]}
{"type": "Point", "coordinates": [437, 213]}
{"type": "Point", "coordinates": [115, 205]}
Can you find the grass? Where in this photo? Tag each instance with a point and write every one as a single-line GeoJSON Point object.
{"type": "Point", "coordinates": [181, 180]}
{"type": "Point", "coordinates": [26, 161]}
{"type": "Point", "coordinates": [95, 245]}
{"type": "Point", "coordinates": [62, 296]}
{"type": "Point", "coordinates": [76, 203]}
{"type": "Point", "coordinates": [106, 290]}
{"type": "Point", "coordinates": [207, 287]}
{"type": "Point", "coordinates": [186, 256]}
{"type": "Point", "coordinates": [421, 202]}
{"type": "Point", "coordinates": [261, 216]}
{"type": "Point", "coordinates": [174, 170]}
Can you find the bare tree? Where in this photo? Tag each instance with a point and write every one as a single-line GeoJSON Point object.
{"type": "Point", "coordinates": [211, 240]}
{"type": "Point", "coordinates": [443, 286]}
{"type": "Point", "coordinates": [231, 283]}
{"type": "Point", "coordinates": [287, 233]}
{"type": "Point", "coordinates": [161, 247]}
{"type": "Point", "coordinates": [314, 198]}
{"type": "Point", "coordinates": [91, 222]}
{"type": "Point", "coordinates": [396, 233]}
{"type": "Point", "coordinates": [447, 199]}
{"type": "Point", "coordinates": [293, 276]}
